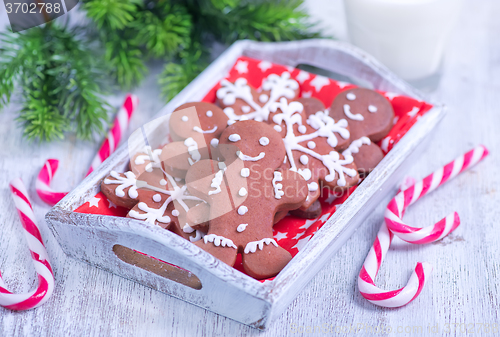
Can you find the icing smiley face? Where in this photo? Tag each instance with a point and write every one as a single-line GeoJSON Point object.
{"type": "Point", "coordinates": [252, 142]}
{"type": "Point", "coordinates": [195, 129]}
{"type": "Point", "coordinates": [368, 113]}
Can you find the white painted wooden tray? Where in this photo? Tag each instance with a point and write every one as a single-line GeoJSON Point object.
{"type": "Point", "coordinates": [206, 281]}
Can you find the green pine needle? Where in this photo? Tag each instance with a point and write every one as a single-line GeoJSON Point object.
{"type": "Point", "coordinates": [60, 81]}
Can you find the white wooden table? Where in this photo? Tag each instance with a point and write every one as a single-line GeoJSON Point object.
{"type": "Point", "coordinates": [464, 287]}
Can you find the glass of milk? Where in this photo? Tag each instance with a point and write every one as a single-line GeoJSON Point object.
{"type": "Point", "coordinates": [408, 36]}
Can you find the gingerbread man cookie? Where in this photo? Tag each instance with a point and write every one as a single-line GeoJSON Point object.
{"type": "Point", "coordinates": [370, 116]}
{"type": "Point", "coordinates": [241, 101]}
{"type": "Point", "coordinates": [152, 195]}
{"type": "Point", "coordinates": [195, 129]}
{"type": "Point", "coordinates": [250, 188]}
{"type": "Point", "coordinates": [311, 140]}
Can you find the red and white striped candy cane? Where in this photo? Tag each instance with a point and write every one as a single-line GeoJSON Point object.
{"type": "Point", "coordinates": [51, 197]}
{"type": "Point", "coordinates": [45, 288]}
{"type": "Point", "coordinates": [397, 207]}
{"type": "Point", "coordinates": [116, 133]}
{"type": "Point", "coordinates": [42, 184]}
{"type": "Point", "coordinates": [393, 215]}
{"type": "Point", "coordinates": [369, 271]}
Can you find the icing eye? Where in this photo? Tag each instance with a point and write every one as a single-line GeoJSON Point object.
{"type": "Point", "coordinates": [175, 212]}
{"type": "Point", "coordinates": [185, 118]}
{"type": "Point", "coordinates": [264, 141]}
{"type": "Point", "coordinates": [372, 108]}
{"type": "Point", "coordinates": [209, 113]}
{"type": "Point", "coordinates": [214, 142]}
{"type": "Point", "coordinates": [234, 137]}
{"type": "Point", "coordinates": [350, 96]}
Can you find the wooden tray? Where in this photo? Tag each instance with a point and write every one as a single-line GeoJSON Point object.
{"type": "Point", "coordinates": [111, 243]}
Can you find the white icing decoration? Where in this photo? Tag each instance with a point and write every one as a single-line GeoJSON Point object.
{"type": "Point", "coordinates": [129, 180]}
{"type": "Point", "coordinates": [264, 141]}
{"type": "Point", "coordinates": [193, 150]}
{"type": "Point", "coordinates": [163, 182]}
{"type": "Point", "coordinates": [175, 212]}
{"type": "Point", "coordinates": [150, 215]}
{"type": "Point", "coordinates": [277, 128]}
{"type": "Point", "coordinates": [209, 113]}
{"type": "Point", "coordinates": [219, 241]}
{"type": "Point", "coordinates": [222, 166]}
{"type": "Point", "coordinates": [311, 144]}
{"type": "Point", "coordinates": [246, 109]}
{"type": "Point", "coordinates": [242, 192]}
{"type": "Point", "coordinates": [372, 108]}
{"type": "Point", "coordinates": [185, 118]}
{"type": "Point", "coordinates": [305, 173]}
{"type": "Point", "coordinates": [187, 228]}
{"type": "Point", "coordinates": [326, 127]}
{"type": "Point", "coordinates": [350, 96]}
{"type": "Point", "coordinates": [245, 172]}
{"type": "Point", "coordinates": [290, 115]}
{"type": "Point", "coordinates": [278, 188]}
{"type": "Point", "coordinates": [302, 129]}
{"type": "Point", "coordinates": [153, 157]}
{"type": "Point", "coordinates": [244, 157]}
{"type": "Point", "coordinates": [304, 159]}
{"type": "Point", "coordinates": [214, 142]}
{"type": "Point", "coordinates": [200, 130]}
{"type": "Point", "coordinates": [242, 210]}
{"type": "Point", "coordinates": [242, 227]}
{"type": "Point", "coordinates": [156, 198]}
{"type": "Point", "coordinates": [234, 137]}
{"type": "Point", "coordinates": [251, 247]}
{"type": "Point", "coordinates": [313, 186]}
{"type": "Point", "coordinates": [277, 86]}
{"type": "Point", "coordinates": [216, 182]}
{"type": "Point", "coordinates": [198, 236]}
{"type": "Point", "coordinates": [349, 114]}
{"type": "Point", "coordinates": [355, 145]}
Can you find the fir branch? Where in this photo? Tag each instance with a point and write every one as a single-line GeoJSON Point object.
{"type": "Point", "coordinates": [177, 75]}
{"type": "Point", "coordinates": [163, 29]}
{"type": "Point", "coordinates": [60, 80]}
{"type": "Point", "coordinates": [271, 20]}
{"type": "Point", "coordinates": [111, 14]}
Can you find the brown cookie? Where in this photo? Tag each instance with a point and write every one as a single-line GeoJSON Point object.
{"type": "Point", "coordinates": [368, 113]}
{"type": "Point", "coordinates": [241, 101]}
{"type": "Point", "coordinates": [153, 196]}
{"type": "Point", "coordinates": [195, 129]}
{"type": "Point", "coordinates": [366, 155]}
{"type": "Point", "coordinates": [310, 142]}
{"type": "Point", "coordinates": [245, 193]}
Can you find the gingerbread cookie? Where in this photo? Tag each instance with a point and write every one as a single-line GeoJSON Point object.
{"type": "Point", "coordinates": [241, 101]}
{"type": "Point", "coordinates": [365, 153]}
{"type": "Point", "coordinates": [152, 195]}
{"type": "Point", "coordinates": [195, 129]}
{"type": "Point", "coordinates": [368, 113]}
{"type": "Point", "coordinates": [310, 142]}
{"type": "Point", "coordinates": [250, 188]}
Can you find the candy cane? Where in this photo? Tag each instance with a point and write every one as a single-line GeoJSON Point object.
{"type": "Point", "coordinates": [45, 288]}
{"type": "Point", "coordinates": [394, 225]}
{"type": "Point", "coordinates": [111, 142]}
{"type": "Point", "coordinates": [397, 207]}
{"type": "Point", "coordinates": [51, 197]}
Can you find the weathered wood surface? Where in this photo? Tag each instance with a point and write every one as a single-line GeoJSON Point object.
{"type": "Point", "coordinates": [464, 287]}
